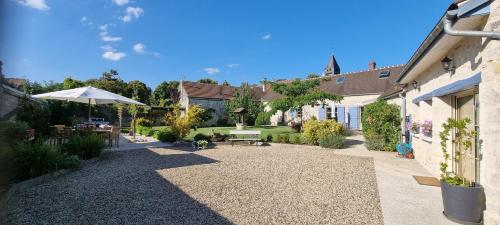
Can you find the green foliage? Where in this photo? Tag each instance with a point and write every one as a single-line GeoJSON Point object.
{"type": "Point", "coordinates": [263, 118]}
{"type": "Point", "coordinates": [139, 90]}
{"type": "Point", "coordinates": [333, 141]}
{"type": "Point", "coordinates": [269, 138]}
{"type": "Point", "coordinates": [312, 76]}
{"type": "Point", "coordinates": [181, 125]}
{"type": "Point", "coordinates": [37, 116]}
{"type": "Point", "coordinates": [299, 93]}
{"type": "Point", "coordinates": [207, 81]}
{"type": "Point", "coordinates": [165, 135]}
{"type": "Point", "coordinates": [166, 93]}
{"type": "Point", "coordinates": [381, 118]}
{"type": "Point", "coordinates": [314, 130]}
{"type": "Point", "coordinates": [143, 122]}
{"type": "Point", "coordinates": [85, 146]}
{"type": "Point", "coordinates": [375, 142]}
{"type": "Point", "coordinates": [464, 138]}
{"type": "Point", "coordinates": [296, 139]}
{"type": "Point", "coordinates": [70, 83]}
{"type": "Point", "coordinates": [13, 129]}
{"type": "Point", "coordinates": [247, 101]}
{"type": "Point", "coordinates": [37, 158]}
{"type": "Point", "coordinates": [201, 136]}
{"type": "Point", "coordinates": [206, 116]}
{"type": "Point", "coordinates": [146, 131]}
{"type": "Point", "coordinates": [283, 138]}
{"type": "Point", "coordinates": [217, 137]}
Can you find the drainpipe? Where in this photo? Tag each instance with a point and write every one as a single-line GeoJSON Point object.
{"type": "Point", "coordinates": [451, 17]}
{"type": "Point", "coordinates": [403, 114]}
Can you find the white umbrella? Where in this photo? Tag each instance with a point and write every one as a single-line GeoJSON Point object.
{"type": "Point", "coordinates": [89, 95]}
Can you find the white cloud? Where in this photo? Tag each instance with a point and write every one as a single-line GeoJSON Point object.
{"type": "Point", "coordinates": [105, 35]}
{"type": "Point", "coordinates": [36, 4]}
{"type": "Point", "coordinates": [113, 55]}
{"type": "Point", "coordinates": [139, 48]}
{"type": "Point", "coordinates": [107, 48]}
{"type": "Point", "coordinates": [132, 13]}
{"type": "Point", "coordinates": [83, 19]}
{"type": "Point", "coordinates": [266, 37]}
{"type": "Point", "coordinates": [211, 70]}
{"type": "Point", "coordinates": [233, 65]}
{"type": "Point", "coordinates": [121, 2]}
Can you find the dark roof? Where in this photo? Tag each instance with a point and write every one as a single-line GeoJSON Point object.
{"type": "Point", "coordinates": [14, 82]}
{"type": "Point", "coordinates": [332, 67]}
{"type": "Point", "coordinates": [215, 91]}
{"type": "Point", "coordinates": [356, 83]}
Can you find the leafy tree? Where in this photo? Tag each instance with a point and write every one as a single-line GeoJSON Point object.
{"type": "Point", "coordinates": [70, 83]}
{"type": "Point", "coordinates": [207, 115]}
{"type": "Point", "coordinates": [140, 90]}
{"type": "Point", "coordinates": [299, 93]}
{"type": "Point", "coordinates": [312, 76]}
{"type": "Point", "coordinates": [110, 81]}
{"type": "Point", "coordinates": [181, 125]}
{"type": "Point", "coordinates": [166, 93]}
{"type": "Point", "coordinates": [245, 100]}
{"type": "Point", "coordinates": [207, 81]}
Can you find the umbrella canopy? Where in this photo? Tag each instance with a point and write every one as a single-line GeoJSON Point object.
{"type": "Point", "coordinates": [89, 95]}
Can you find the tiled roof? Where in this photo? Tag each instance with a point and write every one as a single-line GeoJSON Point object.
{"type": "Point", "coordinates": [215, 91]}
{"type": "Point", "coordinates": [356, 83]}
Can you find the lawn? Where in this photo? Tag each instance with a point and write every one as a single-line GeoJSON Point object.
{"type": "Point", "coordinates": [225, 130]}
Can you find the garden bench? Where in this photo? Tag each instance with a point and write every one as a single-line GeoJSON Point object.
{"type": "Point", "coordinates": [244, 135]}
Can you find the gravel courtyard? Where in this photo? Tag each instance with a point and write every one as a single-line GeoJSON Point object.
{"type": "Point", "coordinates": [240, 185]}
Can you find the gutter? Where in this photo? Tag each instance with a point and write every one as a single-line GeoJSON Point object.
{"type": "Point", "coordinates": [452, 16]}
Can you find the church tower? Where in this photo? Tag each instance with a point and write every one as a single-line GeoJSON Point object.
{"type": "Point", "coordinates": [332, 68]}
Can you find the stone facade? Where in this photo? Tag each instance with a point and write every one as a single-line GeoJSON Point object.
{"type": "Point", "coordinates": [470, 56]}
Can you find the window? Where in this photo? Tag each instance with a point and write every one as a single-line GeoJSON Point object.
{"type": "Point", "coordinates": [335, 115]}
{"type": "Point", "coordinates": [329, 113]}
{"type": "Point", "coordinates": [384, 74]}
{"type": "Point", "coordinates": [340, 80]}
{"type": "Point", "coordinates": [299, 113]}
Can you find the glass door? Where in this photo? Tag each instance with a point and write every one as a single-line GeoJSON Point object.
{"type": "Point", "coordinates": [467, 106]}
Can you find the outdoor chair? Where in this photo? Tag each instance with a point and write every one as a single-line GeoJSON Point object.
{"type": "Point", "coordinates": [115, 136]}
{"type": "Point", "coordinates": [56, 135]}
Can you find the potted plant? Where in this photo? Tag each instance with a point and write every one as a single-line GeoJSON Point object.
{"type": "Point", "coordinates": [414, 127]}
{"type": "Point", "coordinates": [463, 200]}
{"type": "Point", "coordinates": [426, 128]}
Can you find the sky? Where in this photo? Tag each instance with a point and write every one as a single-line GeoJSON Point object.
{"type": "Point", "coordinates": [234, 40]}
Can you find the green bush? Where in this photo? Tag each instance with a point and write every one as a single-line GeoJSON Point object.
{"type": "Point", "coordinates": [263, 118]}
{"type": "Point", "coordinates": [13, 129]}
{"type": "Point", "coordinates": [143, 122]}
{"type": "Point", "coordinates": [296, 140]}
{"type": "Point", "coordinates": [332, 141]}
{"type": "Point", "coordinates": [269, 138]}
{"type": "Point", "coordinates": [165, 135]}
{"type": "Point", "coordinates": [218, 137]}
{"type": "Point", "coordinates": [85, 146]}
{"type": "Point", "coordinates": [375, 142]}
{"type": "Point", "coordinates": [37, 158]}
{"type": "Point", "coordinates": [200, 136]}
{"type": "Point", "coordinates": [146, 131]}
{"type": "Point", "coordinates": [381, 119]}
{"type": "Point", "coordinates": [283, 138]}
{"type": "Point", "coordinates": [36, 115]}
{"type": "Point", "coordinates": [314, 129]}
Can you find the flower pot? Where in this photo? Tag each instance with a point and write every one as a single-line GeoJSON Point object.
{"type": "Point", "coordinates": [463, 204]}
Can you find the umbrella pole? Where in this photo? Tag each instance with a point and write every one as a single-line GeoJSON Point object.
{"type": "Point", "coordinates": [89, 110]}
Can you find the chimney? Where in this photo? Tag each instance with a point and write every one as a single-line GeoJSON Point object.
{"type": "Point", "coordinates": [372, 65]}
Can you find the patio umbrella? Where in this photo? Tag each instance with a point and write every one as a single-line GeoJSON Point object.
{"type": "Point", "coordinates": [89, 95]}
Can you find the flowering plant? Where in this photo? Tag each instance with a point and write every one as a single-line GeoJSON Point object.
{"type": "Point", "coordinates": [202, 144]}
{"type": "Point", "coordinates": [427, 127]}
{"type": "Point", "coordinates": [414, 127]}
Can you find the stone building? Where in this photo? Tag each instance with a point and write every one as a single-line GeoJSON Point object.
{"type": "Point", "coordinates": [212, 97]}
{"type": "Point", "coordinates": [459, 77]}
{"type": "Point", "coordinates": [358, 89]}
{"type": "Point", "coordinates": [9, 96]}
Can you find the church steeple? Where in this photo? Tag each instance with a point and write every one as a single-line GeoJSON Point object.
{"type": "Point", "coordinates": [332, 68]}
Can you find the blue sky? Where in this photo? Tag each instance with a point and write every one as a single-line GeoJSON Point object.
{"type": "Point", "coordinates": [233, 40]}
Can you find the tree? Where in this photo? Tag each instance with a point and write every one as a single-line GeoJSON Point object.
{"type": "Point", "coordinates": [299, 93]}
{"type": "Point", "coordinates": [140, 90]}
{"type": "Point", "coordinates": [207, 81]}
{"type": "Point", "coordinates": [70, 83]}
{"type": "Point", "coordinates": [245, 100]}
{"type": "Point", "coordinates": [110, 81]}
{"type": "Point", "coordinates": [312, 76]}
{"type": "Point", "coordinates": [382, 121]}
{"type": "Point", "coordinates": [181, 125]}
{"type": "Point", "coordinates": [166, 93]}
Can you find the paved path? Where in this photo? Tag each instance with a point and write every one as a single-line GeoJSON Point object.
{"type": "Point", "coordinates": [403, 200]}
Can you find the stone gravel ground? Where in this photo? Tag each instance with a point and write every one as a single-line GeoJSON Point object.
{"type": "Point", "coordinates": [242, 185]}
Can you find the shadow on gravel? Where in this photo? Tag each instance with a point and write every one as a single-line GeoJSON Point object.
{"type": "Point", "coordinates": [124, 189]}
{"type": "Point", "coordinates": [350, 142]}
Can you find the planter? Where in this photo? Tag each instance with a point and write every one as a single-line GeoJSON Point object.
{"type": "Point", "coordinates": [463, 204]}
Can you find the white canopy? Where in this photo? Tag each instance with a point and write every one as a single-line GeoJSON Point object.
{"type": "Point", "coordinates": [89, 95]}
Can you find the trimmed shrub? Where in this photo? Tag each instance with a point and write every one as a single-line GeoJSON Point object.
{"type": "Point", "coordinates": [37, 158]}
{"type": "Point", "coordinates": [85, 146]}
{"type": "Point", "coordinates": [332, 141]}
{"type": "Point", "coordinates": [165, 135]}
{"type": "Point", "coordinates": [201, 136]}
{"type": "Point", "coordinates": [146, 131]}
{"type": "Point", "coordinates": [375, 142]}
{"type": "Point", "coordinates": [296, 140]}
{"type": "Point", "coordinates": [143, 122]}
{"type": "Point", "coordinates": [269, 138]}
{"type": "Point", "coordinates": [283, 138]}
{"type": "Point", "coordinates": [263, 118]}
{"type": "Point", "coordinates": [382, 121]}
{"type": "Point", "coordinates": [314, 129]}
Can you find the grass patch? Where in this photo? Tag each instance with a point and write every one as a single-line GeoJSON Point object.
{"type": "Point", "coordinates": [225, 130]}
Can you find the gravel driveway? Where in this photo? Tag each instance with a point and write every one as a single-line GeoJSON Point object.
{"type": "Point", "coordinates": [241, 185]}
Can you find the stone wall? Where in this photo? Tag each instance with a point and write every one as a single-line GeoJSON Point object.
{"type": "Point", "coordinates": [216, 104]}
{"type": "Point", "coordinates": [8, 102]}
